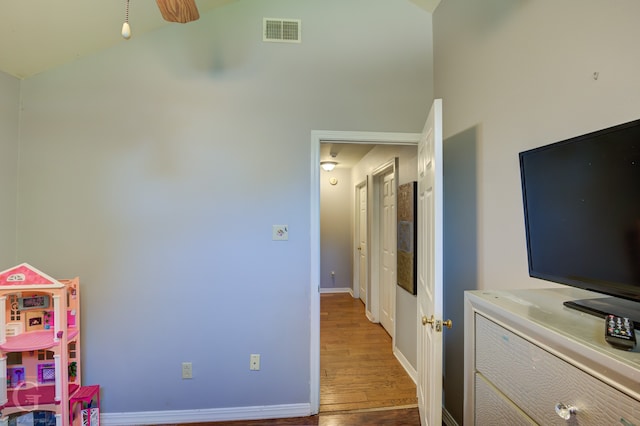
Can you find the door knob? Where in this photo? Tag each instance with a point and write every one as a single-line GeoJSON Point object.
{"type": "Point", "coordinates": [438, 324]}
{"type": "Point", "coordinates": [426, 320]}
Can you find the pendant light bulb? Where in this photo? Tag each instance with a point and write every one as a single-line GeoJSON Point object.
{"type": "Point", "coordinates": [126, 31]}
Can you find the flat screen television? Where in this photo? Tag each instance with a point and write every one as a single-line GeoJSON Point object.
{"type": "Point", "coordinates": [582, 216]}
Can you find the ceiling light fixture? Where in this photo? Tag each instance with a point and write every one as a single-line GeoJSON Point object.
{"type": "Point", "coordinates": [126, 29]}
{"type": "Point", "coordinates": [328, 165]}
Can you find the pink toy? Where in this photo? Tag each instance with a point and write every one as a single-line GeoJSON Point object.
{"type": "Point", "coordinates": [40, 345]}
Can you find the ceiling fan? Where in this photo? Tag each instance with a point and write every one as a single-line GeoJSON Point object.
{"type": "Point", "coordinates": [181, 11]}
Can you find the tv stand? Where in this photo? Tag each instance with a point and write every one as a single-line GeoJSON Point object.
{"type": "Point", "coordinates": [604, 306]}
{"type": "Point", "coordinates": [529, 359]}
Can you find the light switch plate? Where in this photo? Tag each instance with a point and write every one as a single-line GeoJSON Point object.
{"type": "Point", "coordinates": [280, 232]}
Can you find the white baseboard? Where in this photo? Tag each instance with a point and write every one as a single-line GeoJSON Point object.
{"type": "Point", "coordinates": [406, 365]}
{"type": "Point", "coordinates": [205, 415]}
{"type": "Point", "coordinates": [336, 290]}
{"type": "Point", "coordinates": [447, 419]}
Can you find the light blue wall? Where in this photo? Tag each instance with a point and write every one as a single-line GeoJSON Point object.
{"type": "Point", "coordinates": [515, 75]}
{"type": "Point", "coordinates": [155, 170]}
{"type": "Point", "coordinates": [9, 137]}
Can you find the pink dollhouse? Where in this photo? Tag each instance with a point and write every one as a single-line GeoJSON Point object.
{"type": "Point", "coordinates": [40, 349]}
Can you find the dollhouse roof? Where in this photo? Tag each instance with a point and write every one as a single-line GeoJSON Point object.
{"type": "Point", "coordinates": [25, 275]}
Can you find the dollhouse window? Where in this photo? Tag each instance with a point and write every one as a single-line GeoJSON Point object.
{"type": "Point", "coordinates": [14, 312]}
{"type": "Point", "coordinates": [72, 350]}
{"type": "Point", "coordinates": [44, 354]}
{"type": "Point", "coordinates": [14, 358]}
{"type": "Point", "coordinates": [46, 373]}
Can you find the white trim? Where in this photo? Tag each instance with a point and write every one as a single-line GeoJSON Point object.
{"type": "Point", "coordinates": [355, 224]}
{"type": "Point", "coordinates": [375, 253]}
{"type": "Point", "coordinates": [317, 136]}
{"type": "Point", "coordinates": [205, 415]}
{"type": "Point", "coordinates": [447, 418]}
{"type": "Point", "coordinates": [328, 290]}
{"type": "Point", "coordinates": [412, 372]}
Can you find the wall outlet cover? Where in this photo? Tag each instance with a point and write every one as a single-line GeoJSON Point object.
{"type": "Point", "coordinates": [280, 232]}
{"type": "Point", "coordinates": [254, 362]}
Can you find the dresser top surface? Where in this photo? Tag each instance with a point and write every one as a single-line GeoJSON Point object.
{"type": "Point", "coordinates": [544, 307]}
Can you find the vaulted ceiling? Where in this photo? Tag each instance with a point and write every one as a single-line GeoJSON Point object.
{"type": "Point", "coordinates": [36, 35]}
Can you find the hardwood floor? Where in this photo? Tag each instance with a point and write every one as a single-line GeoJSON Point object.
{"type": "Point", "coordinates": [393, 417]}
{"type": "Point", "coordinates": [357, 367]}
{"type": "Point", "coordinates": [361, 381]}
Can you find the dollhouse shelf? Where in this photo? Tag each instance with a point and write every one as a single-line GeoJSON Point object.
{"type": "Point", "coordinates": [33, 341]}
{"type": "Point", "coordinates": [40, 395]}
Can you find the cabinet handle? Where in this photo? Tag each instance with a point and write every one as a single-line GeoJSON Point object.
{"type": "Point", "coordinates": [565, 411]}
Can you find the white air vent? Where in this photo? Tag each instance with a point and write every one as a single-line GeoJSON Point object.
{"type": "Point", "coordinates": [281, 30]}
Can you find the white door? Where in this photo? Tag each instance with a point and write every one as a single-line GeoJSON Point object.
{"type": "Point", "coordinates": [362, 242]}
{"type": "Point", "coordinates": [388, 253]}
{"type": "Point", "coordinates": [430, 265]}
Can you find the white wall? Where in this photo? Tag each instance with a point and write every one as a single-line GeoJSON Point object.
{"type": "Point", "coordinates": [148, 170]}
{"type": "Point", "coordinates": [336, 239]}
{"type": "Point", "coordinates": [9, 137]}
{"type": "Point", "coordinates": [515, 75]}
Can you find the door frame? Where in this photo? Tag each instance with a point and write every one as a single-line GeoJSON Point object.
{"type": "Point", "coordinates": [318, 136]}
{"type": "Point", "coordinates": [356, 239]}
{"type": "Point", "coordinates": [375, 282]}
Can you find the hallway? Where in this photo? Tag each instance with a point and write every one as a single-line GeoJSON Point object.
{"type": "Point", "coordinates": [357, 367]}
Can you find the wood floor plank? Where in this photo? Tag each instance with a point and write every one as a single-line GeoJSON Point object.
{"type": "Point", "coordinates": [359, 370]}
{"type": "Point", "coordinates": [382, 417]}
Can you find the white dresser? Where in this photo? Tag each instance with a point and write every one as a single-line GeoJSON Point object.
{"type": "Point", "coordinates": [528, 358]}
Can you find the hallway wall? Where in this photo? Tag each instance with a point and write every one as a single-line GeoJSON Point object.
{"type": "Point", "coordinates": [336, 238]}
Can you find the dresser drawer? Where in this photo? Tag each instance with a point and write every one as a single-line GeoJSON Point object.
{"type": "Point", "coordinates": [535, 380]}
{"type": "Point", "coordinates": [493, 408]}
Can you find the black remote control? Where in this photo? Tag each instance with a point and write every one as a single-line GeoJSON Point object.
{"type": "Point", "coordinates": [619, 332]}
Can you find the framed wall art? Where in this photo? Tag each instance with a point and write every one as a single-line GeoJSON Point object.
{"type": "Point", "coordinates": [407, 237]}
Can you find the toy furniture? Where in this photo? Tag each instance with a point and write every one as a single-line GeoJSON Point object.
{"type": "Point", "coordinates": [40, 369]}
{"type": "Point", "coordinates": [89, 409]}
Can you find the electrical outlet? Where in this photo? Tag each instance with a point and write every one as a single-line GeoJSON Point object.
{"type": "Point", "coordinates": [187, 370]}
{"type": "Point", "coordinates": [254, 362]}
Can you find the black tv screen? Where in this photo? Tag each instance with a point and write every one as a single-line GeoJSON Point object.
{"type": "Point", "coordinates": [582, 212]}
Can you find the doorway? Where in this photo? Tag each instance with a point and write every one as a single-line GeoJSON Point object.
{"type": "Point", "coordinates": [385, 179]}
{"type": "Point", "coordinates": [361, 264]}
{"type": "Point", "coordinates": [318, 137]}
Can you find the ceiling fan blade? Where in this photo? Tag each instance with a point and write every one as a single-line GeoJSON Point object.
{"type": "Point", "coordinates": [182, 11]}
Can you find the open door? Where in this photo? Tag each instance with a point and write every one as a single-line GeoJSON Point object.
{"type": "Point", "coordinates": [430, 267]}
{"type": "Point", "coordinates": [361, 246]}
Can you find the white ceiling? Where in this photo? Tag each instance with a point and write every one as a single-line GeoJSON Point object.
{"type": "Point", "coordinates": [347, 155]}
{"type": "Point", "coordinates": [36, 35]}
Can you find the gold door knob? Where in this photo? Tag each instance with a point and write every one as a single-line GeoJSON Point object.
{"type": "Point", "coordinates": [426, 320]}
{"type": "Point", "coordinates": [438, 324]}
